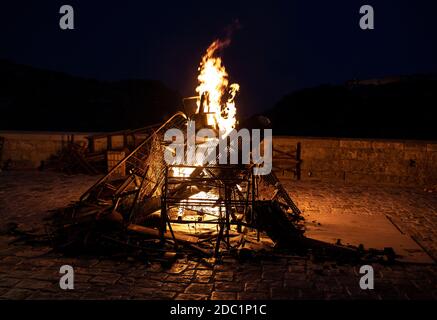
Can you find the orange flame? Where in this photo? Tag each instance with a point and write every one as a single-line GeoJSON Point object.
{"type": "Point", "coordinates": [214, 84]}
{"type": "Point", "coordinates": [218, 104]}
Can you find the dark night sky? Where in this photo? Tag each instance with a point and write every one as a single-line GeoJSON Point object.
{"type": "Point", "coordinates": [282, 45]}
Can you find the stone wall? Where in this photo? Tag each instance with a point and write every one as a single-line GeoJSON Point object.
{"type": "Point", "coordinates": [328, 159]}
{"type": "Point", "coordinates": [364, 160]}
{"type": "Point", "coordinates": [26, 150]}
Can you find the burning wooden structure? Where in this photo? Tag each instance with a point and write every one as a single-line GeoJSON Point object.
{"type": "Point", "coordinates": [221, 200]}
{"type": "Point", "coordinates": [149, 205]}
{"type": "Point", "coordinates": [145, 195]}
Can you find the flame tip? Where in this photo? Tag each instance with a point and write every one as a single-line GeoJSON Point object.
{"type": "Point", "coordinates": [213, 82]}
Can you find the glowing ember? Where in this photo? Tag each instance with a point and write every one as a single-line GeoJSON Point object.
{"type": "Point", "coordinates": [219, 102]}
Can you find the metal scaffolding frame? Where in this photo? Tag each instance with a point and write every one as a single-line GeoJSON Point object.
{"type": "Point", "coordinates": [235, 187]}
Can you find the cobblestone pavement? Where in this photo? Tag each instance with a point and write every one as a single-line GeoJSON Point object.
{"type": "Point", "coordinates": [413, 211]}
{"type": "Point", "coordinates": [33, 272]}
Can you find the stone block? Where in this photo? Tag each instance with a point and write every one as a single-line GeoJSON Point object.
{"type": "Point", "coordinates": [355, 166]}
{"type": "Point", "coordinates": [320, 143]}
{"type": "Point", "coordinates": [199, 288]}
{"type": "Point", "coordinates": [387, 179]}
{"type": "Point", "coordinates": [311, 175]}
{"type": "Point", "coordinates": [332, 175]}
{"type": "Point", "coordinates": [348, 154]}
{"type": "Point", "coordinates": [431, 147]}
{"type": "Point", "coordinates": [414, 154]}
{"type": "Point", "coordinates": [356, 144]}
{"type": "Point", "coordinates": [228, 286]}
{"type": "Point", "coordinates": [319, 165]}
{"type": "Point", "coordinates": [285, 141]}
{"type": "Point", "coordinates": [414, 146]}
{"type": "Point", "coordinates": [388, 145]}
{"type": "Point", "coordinates": [223, 295]}
{"type": "Point", "coordinates": [17, 294]}
{"type": "Point", "coordinates": [360, 178]}
{"type": "Point", "coordinates": [410, 180]}
{"type": "Point", "coordinates": [318, 153]}
{"type": "Point", "coordinates": [288, 174]}
{"type": "Point", "coordinates": [397, 168]}
{"type": "Point", "coordinates": [365, 154]}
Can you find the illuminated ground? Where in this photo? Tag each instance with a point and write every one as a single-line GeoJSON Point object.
{"type": "Point", "coordinates": [32, 272]}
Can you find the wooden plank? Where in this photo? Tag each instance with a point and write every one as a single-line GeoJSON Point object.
{"type": "Point", "coordinates": [155, 233]}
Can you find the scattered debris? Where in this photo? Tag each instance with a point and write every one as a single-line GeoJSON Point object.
{"type": "Point", "coordinates": [73, 159]}
{"type": "Point", "coordinates": [157, 211]}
